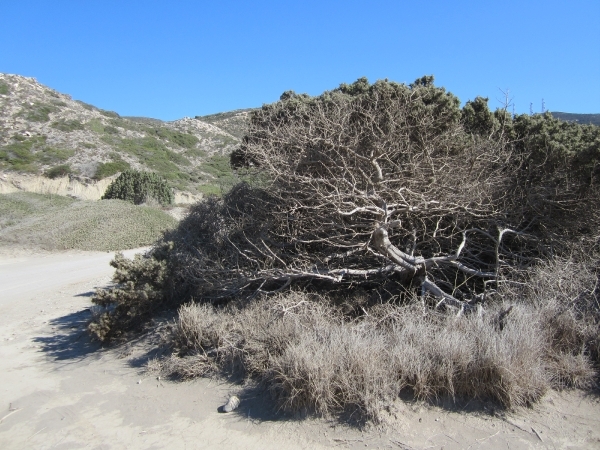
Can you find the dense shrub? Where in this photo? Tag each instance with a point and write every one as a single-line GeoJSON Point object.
{"type": "Point", "coordinates": [58, 171]}
{"type": "Point", "coordinates": [184, 140]}
{"type": "Point", "coordinates": [67, 125]}
{"type": "Point", "coordinates": [38, 112]}
{"type": "Point", "coordinates": [138, 187]}
{"type": "Point", "coordinates": [129, 304]}
{"type": "Point", "coordinates": [108, 169]}
{"type": "Point", "coordinates": [111, 130]}
{"type": "Point", "coordinates": [409, 236]}
{"type": "Point", "coordinates": [110, 114]}
{"type": "Point", "coordinates": [26, 154]}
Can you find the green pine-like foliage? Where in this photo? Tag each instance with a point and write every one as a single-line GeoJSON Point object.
{"type": "Point", "coordinates": [139, 187]}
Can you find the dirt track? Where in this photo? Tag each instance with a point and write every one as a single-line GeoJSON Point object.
{"type": "Point", "coordinates": [59, 390]}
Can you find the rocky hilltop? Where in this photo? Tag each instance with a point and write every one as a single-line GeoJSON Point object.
{"type": "Point", "coordinates": [46, 132]}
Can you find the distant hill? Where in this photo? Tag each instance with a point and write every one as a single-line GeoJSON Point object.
{"type": "Point", "coordinates": [584, 119]}
{"type": "Point", "coordinates": [234, 122]}
{"type": "Point", "coordinates": [45, 131]}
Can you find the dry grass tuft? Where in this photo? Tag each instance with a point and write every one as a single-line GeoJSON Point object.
{"type": "Point", "coordinates": [312, 357]}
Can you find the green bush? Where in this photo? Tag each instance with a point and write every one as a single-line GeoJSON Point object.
{"type": "Point", "coordinates": [108, 169]}
{"type": "Point", "coordinates": [51, 155]}
{"type": "Point", "coordinates": [58, 171]}
{"type": "Point", "coordinates": [132, 303]}
{"type": "Point", "coordinates": [23, 153]}
{"type": "Point", "coordinates": [184, 140]}
{"type": "Point", "coordinates": [38, 112]}
{"type": "Point", "coordinates": [67, 125]}
{"type": "Point", "coordinates": [86, 105]}
{"type": "Point", "coordinates": [138, 187]}
{"type": "Point", "coordinates": [111, 114]}
{"type": "Point", "coordinates": [153, 154]}
{"type": "Point", "coordinates": [96, 126]}
{"type": "Point", "coordinates": [3, 88]}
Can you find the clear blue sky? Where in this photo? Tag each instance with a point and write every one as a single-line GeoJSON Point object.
{"type": "Point", "coordinates": [169, 59]}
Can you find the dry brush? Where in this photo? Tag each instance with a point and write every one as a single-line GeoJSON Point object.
{"type": "Point", "coordinates": [415, 234]}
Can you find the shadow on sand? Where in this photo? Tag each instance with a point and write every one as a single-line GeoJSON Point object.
{"type": "Point", "coordinates": [70, 340]}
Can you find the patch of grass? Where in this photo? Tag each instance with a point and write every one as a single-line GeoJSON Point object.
{"type": "Point", "coordinates": [218, 166]}
{"type": "Point", "coordinates": [195, 153]}
{"type": "Point", "coordinates": [20, 206]}
{"type": "Point", "coordinates": [106, 113]}
{"type": "Point", "coordinates": [58, 102]}
{"type": "Point", "coordinates": [20, 155]}
{"type": "Point", "coordinates": [86, 105]}
{"type": "Point", "coordinates": [53, 222]}
{"type": "Point", "coordinates": [108, 169]}
{"type": "Point", "coordinates": [95, 125]}
{"type": "Point", "coordinates": [144, 120]}
{"type": "Point", "coordinates": [224, 141]}
{"type": "Point", "coordinates": [210, 189]}
{"type": "Point", "coordinates": [38, 112]}
{"type": "Point", "coordinates": [58, 171]}
{"type": "Point", "coordinates": [153, 154]}
{"type": "Point", "coordinates": [27, 154]}
{"type": "Point", "coordinates": [125, 124]}
{"type": "Point", "coordinates": [184, 140]}
{"type": "Point", "coordinates": [4, 89]}
{"type": "Point", "coordinates": [67, 125]}
{"type": "Point", "coordinates": [51, 155]}
{"type": "Point", "coordinates": [221, 177]}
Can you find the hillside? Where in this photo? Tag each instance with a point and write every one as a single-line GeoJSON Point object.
{"type": "Point", "coordinates": [45, 131]}
{"type": "Point", "coordinates": [583, 119]}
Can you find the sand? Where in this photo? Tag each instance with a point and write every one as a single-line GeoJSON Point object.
{"type": "Point", "coordinates": [60, 390]}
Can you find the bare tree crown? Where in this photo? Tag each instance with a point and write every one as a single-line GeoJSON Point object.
{"type": "Point", "coordinates": [385, 188]}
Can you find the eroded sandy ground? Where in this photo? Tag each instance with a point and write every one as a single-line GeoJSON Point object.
{"type": "Point", "coordinates": [59, 390]}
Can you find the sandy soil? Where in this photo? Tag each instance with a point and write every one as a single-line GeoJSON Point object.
{"type": "Point", "coordinates": [60, 390]}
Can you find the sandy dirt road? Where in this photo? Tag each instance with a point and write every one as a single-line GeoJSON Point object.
{"type": "Point", "coordinates": [60, 390]}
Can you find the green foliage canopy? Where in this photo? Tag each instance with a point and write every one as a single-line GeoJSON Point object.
{"type": "Point", "coordinates": [138, 187]}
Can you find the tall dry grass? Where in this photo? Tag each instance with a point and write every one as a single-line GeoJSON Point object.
{"type": "Point", "coordinates": [313, 357]}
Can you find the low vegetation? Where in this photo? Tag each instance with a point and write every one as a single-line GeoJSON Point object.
{"type": "Point", "coordinates": [58, 171]}
{"type": "Point", "coordinates": [4, 89]}
{"type": "Point", "coordinates": [306, 352]}
{"type": "Point", "coordinates": [183, 140]}
{"type": "Point", "coordinates": [386, 240]}
{"type": "Point", "coordinates": [234, 122]}
{"type": "Point", "coordinates": [68, 125]}
{"type": "Point", "coordinates": [139, 187]}
{"type": "Point", "coordinates": [53, 222]}
{"type": "Point", "coordinates": [108, 169]}
{"type": "Point", "coordinates": [38, 112]}
{"type": "Point", "coordinates": [28, 154]}
{"type": "Point", "coordinates": [50, 129]}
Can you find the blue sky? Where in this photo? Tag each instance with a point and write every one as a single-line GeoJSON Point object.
{"type": "Point", "coordinates": [185, 58]}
